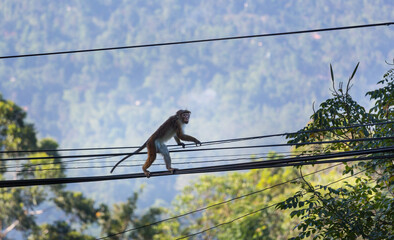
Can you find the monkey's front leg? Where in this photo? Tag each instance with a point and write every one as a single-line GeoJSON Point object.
{"type": "Point", "coordinates": [178, 141]}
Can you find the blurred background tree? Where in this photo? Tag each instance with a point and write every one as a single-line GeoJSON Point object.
{"type": "Point", "coordinates": [21, 206]}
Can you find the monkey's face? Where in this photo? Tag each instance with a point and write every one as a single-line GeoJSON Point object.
{"type": "Point", "coordinates": [185, 117]}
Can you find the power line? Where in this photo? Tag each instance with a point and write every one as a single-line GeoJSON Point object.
{"type": "Point", "coordinates": [199, 40]}
{"type": "Point", "coordinates": [220, 168]}
{"type": "Point", "coordinates": [298, 132]}
{"type": "Point", "coordinates": [251, 156]}
{"type": "Point", "coordinates": [142, 161]}
{"type": "Point", "coordinates": [30, 169]}
{"type": "Point", "coordinates": [261, 209]}
{"type": "Point", "coordinates": [207, 142]}
{"type": "Point", "coordinates": [217, 204]}
{"type": "Point", "coordinates": [206, 149]}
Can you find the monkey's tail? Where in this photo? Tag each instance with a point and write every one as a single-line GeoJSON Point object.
{"type": "Point", "coordinates": [129, 155]}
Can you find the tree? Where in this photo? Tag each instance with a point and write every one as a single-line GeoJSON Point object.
{"type": "Point", "coordinates": [60, 230]}
{"type": "Point", "coordinates": [211, 189]}
{"type": "Point", "coordinates": [359, 209]}
{"type": "Point", "coordinates": [123, 217]}
{"type": "Point", "coordinates": [15, 134]}
{"type": "Point", "coordinates": [20, 206]}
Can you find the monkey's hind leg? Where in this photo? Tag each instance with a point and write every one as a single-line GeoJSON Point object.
{"type": "Point", "coordinates": [151, 158]}
{"type": "Point", "coordinates": [167, 158]}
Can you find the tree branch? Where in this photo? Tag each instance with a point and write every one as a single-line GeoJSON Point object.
{"type": "Point", "coordinates": [9, 228]}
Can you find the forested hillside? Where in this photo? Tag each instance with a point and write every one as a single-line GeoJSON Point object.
{"type": "Point", "coordinates": [233, 88]}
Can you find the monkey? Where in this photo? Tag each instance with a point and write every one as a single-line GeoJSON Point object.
{"type": "Point", "coordinates": [172, 128]}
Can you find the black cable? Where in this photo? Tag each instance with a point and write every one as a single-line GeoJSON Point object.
{"type": "Point", "coordinates": [284, 160]}
{"type": "Point", "coordinates": [261, 209]}
{"type": "Point", "coordinates": [138, 165]}
{"type": "Point", "coordinates": [298, 132]}
{"type": "Point", "coordinates": [220, 168]}
{"type": "Point", "coordinates": [208, 142]}
{"type": "Point", "coordinates": [68, 149]}
{"type": "Point", "coordinates": [233, 220]}
{"type": "Point", "coordinates": [125, 165]}
{"type": "Point", "coordinates": [205, 149]}
{"type": "Point", "coordinates": [59, 163]}
{"type": "Point", "coordinates": [251, 156]}
{"type": "Point", "coordinates": [217, 204]}
{"type": "Point", "coordinates": [199, 40]}
{"type": "Point", "coordinates": [173, 158]}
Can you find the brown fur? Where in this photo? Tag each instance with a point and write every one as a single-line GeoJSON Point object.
{"type": "Point", "coordinates": [173, 127]}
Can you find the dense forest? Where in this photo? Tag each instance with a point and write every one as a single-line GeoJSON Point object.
{"type": "Point", "coordinates": [233, 88]}
{"type": "Point", "coordinates": [359, 207]}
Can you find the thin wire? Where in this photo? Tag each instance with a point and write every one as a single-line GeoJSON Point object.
{"type": "Point", "coordinates": [129, 165]}
{"type": "Point", "coordinates": [284, 162]}
{"type": "Point", "coordinates": [261, 209]}
{"type": "Point", "coordinates": [217, 204]}
{"type": "Point", "coordinates": [205, 149]}
{"type": "Point", "coordinates": [208, 142]}
{"type": "Point", "coordinates": [298, 132]}
{"type": "Point", "coordinates": [199, 41]}
{"type": "Point", "coordinates": [191, 157]}
{"type": "Point", "coordinates": [60, 163]}
{"type": "Point", "coordinates": [277, 161]}
{"type": "Point", "coordinates": [252, 156]}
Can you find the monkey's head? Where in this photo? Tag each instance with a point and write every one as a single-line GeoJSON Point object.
{"type": "Point", "coordinates": [183, 115]}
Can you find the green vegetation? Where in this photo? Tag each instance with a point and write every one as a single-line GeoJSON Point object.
{"type": "Point", "coordinates": [234, 88]}
{"type": "Point", "coordinates": [363, 208]}
{"type": "Point", "coordinates": [117, 98]}
{"type": "Point", "coordinates": [21, 207]}
{"type": "Point", "coordinates": [356, 208]}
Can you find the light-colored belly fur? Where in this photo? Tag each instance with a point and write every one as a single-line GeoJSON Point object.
{"type": "Point", "coordinates": [168, 136]}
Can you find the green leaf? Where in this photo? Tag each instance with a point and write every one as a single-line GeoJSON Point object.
{"type": "Point", "coordinates": [332, 73]}
{"type": "Point", "coordinates": [354, 71]}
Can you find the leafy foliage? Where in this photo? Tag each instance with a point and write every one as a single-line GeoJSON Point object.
{"type": "Point", "coordinates": [350, 210]}
{"type": "Point", "coordinates": [94, 96]}
{"type": "Point", "coordinates": [364, 208]}
{"type": "Point", "coordinates": [21, 206]}
{"type": "Point", "coordinates": [210, 189]}
{"type": "Point", "coordinates": [118, 97]}
{"type": "Point", "coordinates": [123, 217]}
{"type": "Point", "coordinates": [59, 230]}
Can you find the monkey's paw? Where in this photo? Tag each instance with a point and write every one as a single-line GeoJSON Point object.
{"type": "Point", "coordinates": [172, 170]}
{"type": "Point", "coordinates": [198, 143]}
